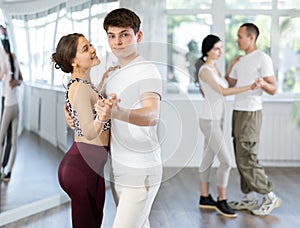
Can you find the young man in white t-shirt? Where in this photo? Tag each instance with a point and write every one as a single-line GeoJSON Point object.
{"type": "Point", "coordinates": [255, 65]}
{"type": "Point", "coordinates": [135, 91]}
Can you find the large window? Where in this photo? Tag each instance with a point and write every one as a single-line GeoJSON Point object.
{"type": "Point", "coordinates": [192, 21]}
{"type": "Point", "coordinates": [249, 4]}
{"type": "Point", "coordinates": [194, 4]}
{"type": "Point", "coordinates": [41, 32]}
{"type": "Point", "coordinates": [2, 20]}
{"type": "Point", "coordinates": [289, 54]}
{"type": "Point", "coordinates": [188, 23]}
{"type": "Point", "coordinates": [185, 33]}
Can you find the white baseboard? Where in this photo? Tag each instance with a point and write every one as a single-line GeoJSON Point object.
{"type": "Point", "coordinates": [13, 215]}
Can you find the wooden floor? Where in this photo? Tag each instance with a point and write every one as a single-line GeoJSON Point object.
{"type": "Point", "coordinates": [175, 206]}
{"type": "Point", "coordinates": [34, 175]}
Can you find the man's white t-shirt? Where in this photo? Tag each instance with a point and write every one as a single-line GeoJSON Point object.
{"type": "Point", "coordinates": [214, 105]}
{"type": "Point", "coordinates": [134, 149]}
{"type": "Point", "coordinates": [256, 64]}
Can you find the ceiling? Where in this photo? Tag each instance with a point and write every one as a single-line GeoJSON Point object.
{"type": "Point", "coordinates": [14, 1]}
{"type": "Point", "coordinates": [27, 6]}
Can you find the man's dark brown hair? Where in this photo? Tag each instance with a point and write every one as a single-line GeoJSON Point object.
{"type": "Point", "coordinates": [122, 18]}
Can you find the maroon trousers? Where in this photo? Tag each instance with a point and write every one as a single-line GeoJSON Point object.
{"type": "Point", "coordinates": [80, 175]}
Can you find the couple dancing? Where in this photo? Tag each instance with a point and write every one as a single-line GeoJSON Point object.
{"type": "Point", "coordinates": [248, 77]}
{"type": "Point", "coordinates": [118, 123]}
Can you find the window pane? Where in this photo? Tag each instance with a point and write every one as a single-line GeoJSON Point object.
{"type": "Point", "coordinates": [289, 55]}
{"type": "Point", "coordinates": [40, 21]}
{"type": "Point", "coordinates": [81, 27]}
{"type": "Point", "coordinates": [2, 20]}
{"type": "Point", "coordinates": [22, 52]}
{"type": "Point", "coordinates": [97, 9]}
{"type": "Point", "coordinates": [18, 23]}
{"type": "Point", "coordinates": [288, 4]}
{"type": "Point", "coordinates": [31, 23]}
{"type": "Point", "coordinates": [233, 22]}
{"type": "Point", "coordinates": [191, 4]}
{"type": "Point", "coordinates": [37, 37]}
{"type": "Point", "coordinates": [62, 12]}
{"type": "Point", "coordinates": [249, 4]}
{"type": "Point", "coordinates": [64, 27]}
{"type": "Point", "coordinates": [77, 15]}
{"type": "Point", "coordinates": [47, 51]}
{"type": "Point", "coordinates": [98, 37]}
{"type": "Point", "coordinates": [51, 17]}
{"type": "Point", "coordinates": [22, 48]}
{"type": "Point", "coordinates": [185, 35]}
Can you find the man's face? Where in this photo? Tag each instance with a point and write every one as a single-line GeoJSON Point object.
{"type": "Point", "coordinates": [243, 40]}
{"type": "Point", "coordinates": [123, 41]}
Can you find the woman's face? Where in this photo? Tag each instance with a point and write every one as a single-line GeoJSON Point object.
{"type": "Point", "coordinates": [86, 56]}
{"type": "Point", "coordinates": [216, 52]}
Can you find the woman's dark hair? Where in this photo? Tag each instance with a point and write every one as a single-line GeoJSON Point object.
{"type": "Point", "coordinates": [207, 44]}
{"type": "Point", "coordinates": [122, 18]}
{"type": "Point", "coordinates": [6, 46]}
{"type": "Point", "coordinates": [65, 52]}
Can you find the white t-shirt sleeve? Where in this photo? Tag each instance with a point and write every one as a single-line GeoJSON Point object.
{"type": "Point", "coordinates": [152, 81]}
{"type": "Point", "coordinates": [266, 66]}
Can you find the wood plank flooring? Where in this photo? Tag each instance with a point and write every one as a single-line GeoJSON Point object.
{"type": "Point", "coordinates": [34, 175]}
{"type": "Point", "coordinates": [176, 205]}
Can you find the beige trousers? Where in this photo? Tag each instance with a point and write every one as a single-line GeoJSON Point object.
{"type": "Point", "coordinates": [135, 196]}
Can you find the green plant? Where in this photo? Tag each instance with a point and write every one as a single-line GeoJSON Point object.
{"type": "Point", "coordinates": [295, 114]}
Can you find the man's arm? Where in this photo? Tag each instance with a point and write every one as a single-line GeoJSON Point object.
{"type": "Point", "coordinates": [147, 115]}
{"type": "Point", "coordinates": [231, 81]}
{"type": "Point", "coordinates": [16, 82]}
{"type": "Point", "coordinates": [268, 84]}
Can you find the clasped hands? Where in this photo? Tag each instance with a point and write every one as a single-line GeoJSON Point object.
{"type": "Point", "coordinates": [259, 83]}
{"type": "Point", "coordinates": [13, 83]}
{"type": "Point", "coordinates": [106, 107]}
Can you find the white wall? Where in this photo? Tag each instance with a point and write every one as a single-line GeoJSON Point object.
{"type": "Point", "coordinates": [44, 114]}
{"type": "Point", "coordinates": [179, 132]}
{"type": "Point", "coordinates": [182, 143]}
